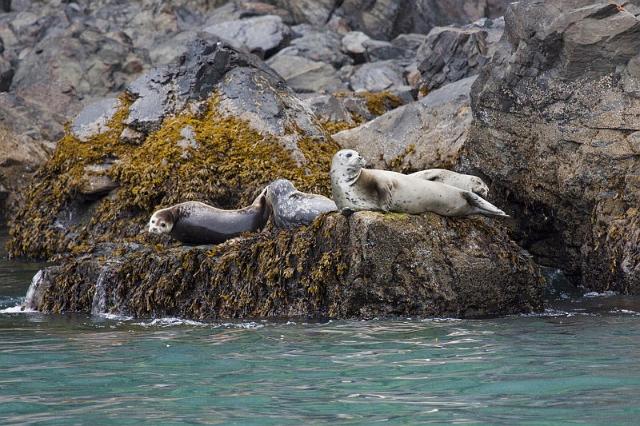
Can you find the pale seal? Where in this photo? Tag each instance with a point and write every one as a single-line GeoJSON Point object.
{"type": "Point", "coordinates": [356, 188]}
{"type": "Point", "coordinates": [459, 180]}
{"type": "Point", "coordinates": [194, 222]}
{"type": "Point", "coordinates": [292, 208]}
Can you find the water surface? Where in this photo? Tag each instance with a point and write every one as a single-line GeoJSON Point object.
{"type": "Point", "coordinates": [577, 363]}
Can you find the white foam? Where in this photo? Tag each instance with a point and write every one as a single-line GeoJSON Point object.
{"type": "Point", "coordinates": [607, 293]}
{"type": "Point", "coordinates": [18, 309]}
{"type": "Point", "coordinates": [33, 288]}
{"type": "Point", "coordinates": [170, 322]}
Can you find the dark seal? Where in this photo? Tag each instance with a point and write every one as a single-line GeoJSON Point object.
{"type": "Point", "coordinates": [292, 208]}
{"type": "Point", "coordinates": [194, 222]}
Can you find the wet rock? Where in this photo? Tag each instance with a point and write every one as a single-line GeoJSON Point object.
{"type": "Point", "coordinates": [452, 53]}
{"type": "Point", "coordinates": [555, 124]}
{"type": "Point", "coordinates": [429, 133]}
{"type": "Point", "coordinates": [370, 265]}
{"type": "Point", "coordinates": [304, 75]}
{"type": "Point", "coordinates": [262, 35]}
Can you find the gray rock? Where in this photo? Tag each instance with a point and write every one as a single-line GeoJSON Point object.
{"type": "Point", "coordinates": [555, 123]}
{"type": "Point", "coordinates": [377, 76]}
{"type": "Point", "coordinates": [316, 12]}
{"type": "Point", "coordinates": [329, 108]}
{"type": "Point", "coordinates": [262, 35]}
{"type": "Point", "coordinates": [6, 74]}
{"type": "Point", "coordinates": [95, 182]}
{"type": "Point", "coordinates": [430, 133]}
{"type": "Point", "coordinates": [353, 43]}
{"type": "Point", "coordinates": [304, 75]}
{"type": "Point", "coordinates": [385, 19]}
{"type": "Point", "coordinates": [317, 45]}
{"type": "Point", "coordinates": [94, 118]}
{"type": "Point", "coordinates": [369, 265]}
{"type": "Point", "coordinates": [451, 53]}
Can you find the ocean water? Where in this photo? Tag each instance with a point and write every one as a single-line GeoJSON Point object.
{"type": "Point", "coordinates": [578, 363]}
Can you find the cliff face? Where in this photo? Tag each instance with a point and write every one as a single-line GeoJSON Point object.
{"type": "Point", "coordinates": [557, 129]}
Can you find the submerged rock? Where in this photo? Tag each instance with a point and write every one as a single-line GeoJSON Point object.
{"type": "Point", "coordinates": [370, 265]}
{"type": "Point", "coordinates": [429, 133]}
{"type": "Point", "coordinates": [556, 125]}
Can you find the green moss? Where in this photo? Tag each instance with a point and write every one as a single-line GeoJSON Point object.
{"type": "Point", "coordinates": [380, 102]}
{"type": "Point", "coordinates": [230, 164]}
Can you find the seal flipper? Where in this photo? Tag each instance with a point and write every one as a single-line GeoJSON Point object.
{"type": "Point", "coordinates": [483, 206]}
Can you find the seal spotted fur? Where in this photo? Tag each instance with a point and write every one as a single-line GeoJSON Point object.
{"type": "Point", "coordinates": [355, 188]}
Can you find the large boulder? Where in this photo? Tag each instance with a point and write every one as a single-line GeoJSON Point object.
{"type": "Point", "coordinates": [557, 129]}
{"type": "Point", "coordinates": [370, 265]}
{"type": "Point", "coordinates": [385, 19]}
{"type": "Point", "coordinates": [429, 133]}
{"type": "Point", "coordinates": [216, 127]}
{"type": "Point", "coordinates": [451, 53]}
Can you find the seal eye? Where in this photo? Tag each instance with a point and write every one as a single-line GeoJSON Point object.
{"type": "Point", "coordinates": [349, 155]}
{"type": "Point", "coordinates": [163, 225]}
{"type": "Point", "coordinates": [153, 221]}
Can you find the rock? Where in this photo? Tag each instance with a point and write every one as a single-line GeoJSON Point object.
{"type": "Point", "coordinates": [304, 75]}
{"type": "Point", "coordinates": [385, 19]}
{"type": "Point", "coordinates": [94, 119]}
{"type": "Point", "coordinates": [377, 77]}
{"type": "Point", "coordinates": [315, 12]}
{"type": "Point", "coordinates": [317, 45]}
{"type": "Point", "coordinates": [241, 9]}
{"type": "Point", "coordinates": [79, 63]}
{"type": "Point", "coordinates": [429, 133]}
{"type": "Point", "coordinates": [451, 53]}
{"type": "Point", "coordinates": [353, 43]}
{"type": "Point", "coordinates": [556, 119]}
{"type": "Point", "coordinates": [216, 127]}
{"type": "Point", "coordinates": [6, 74]}
{"type": "Point", "coordinates": [95, 182]}
{"type": "Point", "coordinates": [370, 265]}
{"type": "Point", "coordinates": [262, 35]}
{"type": "Point", "coordinates": [329, 108]}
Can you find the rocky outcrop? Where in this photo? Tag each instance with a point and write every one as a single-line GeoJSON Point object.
{"type": "Point", "coordinates": [556, 125]}
{"type": "Point", "coordinates": [153, 147]}
{"type": "Point", "coordinates": [451, 53]}
{"type": "Point", "coordinates": [429, 133]}
{"type": "Point", "coordinates": [370, 265]}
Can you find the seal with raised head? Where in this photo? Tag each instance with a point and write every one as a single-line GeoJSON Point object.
{"type": "Point", "coordinates": [356, 188]}
{"type": "Point", "coordinates": [459, 180]}
{"type": "Point", "coordinates": [292, 208]}
{"type": "Point", "coordinates": [193, 222]}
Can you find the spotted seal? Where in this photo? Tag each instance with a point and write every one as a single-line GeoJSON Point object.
{"type": "Point", "coordinates": [356, 188]}
{"type": "Point", "coordinates": [194, 222]}
{"type": "Point", "coordinates": [292, 208]}
{"type": "Point", "coordinates": [459, 180]}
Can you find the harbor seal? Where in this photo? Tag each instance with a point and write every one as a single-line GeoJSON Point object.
{"type": "Point", "coordinates": [291, 208]}
{"type": "Point", "coordinates": [194, 222]}
{"type": "Point", "coordinates": [459, 180]}
{"type": "Point", "coordinates": [356, 188]}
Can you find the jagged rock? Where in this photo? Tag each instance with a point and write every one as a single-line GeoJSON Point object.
{"type": "Point", "coordinates": [247, 126]}
{"type": "Point", "coordinates": [95, 181]}
{"type": "Point", "coordinates": [241, 9]}
{"type": "Point", "coordinates": [556, 119]}
{"type": "Point", "coordinates": [262, 35]}
{"type": "Point", "coordinates": [385, 19]}
{"type": "Point", "coordinates": [94, 119]}
{"type": "Point", "coordinates": [79, 63]}
{"type": "Point", "coordinates": [316, 45]}
{"type": "Point", "coordinates": [377, 76]}
{"type": "Point", "coordinates": [304, 75]}
{"type": "Point", "coordinates": [451, 53]}
{"type": "Point", "coordinates": [315, 12]}
{"type": "Point", "coordinates": [429, 133]}
{"type": "Point", "coordinates": [370, 265]}
{"type": "Point", "coordinates": [329, 108]}
{"type": "Point", "coordinates": [6, 74]}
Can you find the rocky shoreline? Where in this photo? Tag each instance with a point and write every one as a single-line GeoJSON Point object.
{"type": "Point", "coordinates": [547, 114]}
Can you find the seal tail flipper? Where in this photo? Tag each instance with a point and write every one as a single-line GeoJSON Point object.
{"type": "Point", "coordinates": [483, 206]}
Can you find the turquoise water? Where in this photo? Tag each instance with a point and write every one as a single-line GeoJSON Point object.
{"type": "Point", "coordinates": [577, 363]}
